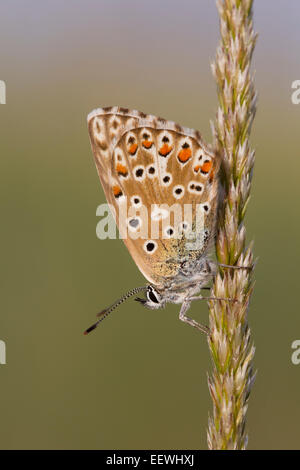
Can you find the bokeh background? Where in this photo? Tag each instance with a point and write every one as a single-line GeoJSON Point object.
{"type": "Point", "coordinates": [140, 380]}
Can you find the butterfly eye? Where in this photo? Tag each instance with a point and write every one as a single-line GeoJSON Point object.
{"type": "Point", "coordinates": [152, 295]}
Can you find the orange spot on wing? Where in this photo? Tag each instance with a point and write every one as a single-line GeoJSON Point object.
{"type": "Point", "coordinates": [165, 150]}
{"type": "Point", "coordinates": [206, 167]}
{"type": "Point", "coordinates": [121, 169]}
{"type": "Point", "coordinates": [147, 144]}
{"type": "Point", "coordinates": [117, 191]}
{"type": "Point", "coordinates": [184, 155]}
{"type": "Point", "coordinates": [197, 168]}
{"type": "Point", "coordinates": [132, 149]}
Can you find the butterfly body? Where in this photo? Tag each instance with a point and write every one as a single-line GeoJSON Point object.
{"type": "Point", "coordinates": [187, 283]}
{"type": "Point", "coordinates": [164, 178]}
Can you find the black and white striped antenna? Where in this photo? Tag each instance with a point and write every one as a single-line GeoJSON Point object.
{"type": "Point", "coordinates": [104, 313]}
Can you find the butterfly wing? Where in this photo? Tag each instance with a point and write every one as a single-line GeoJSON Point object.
{"type": "Point", "coordinates": [151, 170]}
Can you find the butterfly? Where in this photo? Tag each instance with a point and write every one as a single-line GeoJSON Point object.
{"type": "Point", "coordinates": [147, 165]}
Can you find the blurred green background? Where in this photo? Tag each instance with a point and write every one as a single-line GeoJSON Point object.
{"type": "Point", "coordinates": [140, 380]}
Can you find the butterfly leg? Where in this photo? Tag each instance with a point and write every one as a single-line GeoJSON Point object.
{"type": "Point", "coordinates": [235, 267]}
{"type": "Point", "coordinates": [182, 316]}
{"type": "Point", "coordinates": [228, 299]}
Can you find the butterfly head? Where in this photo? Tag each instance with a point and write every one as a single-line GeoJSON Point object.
{"type": "Point", "coordinates": [154, 298]}
{"type": "Point", "coordinates": [158, 298]}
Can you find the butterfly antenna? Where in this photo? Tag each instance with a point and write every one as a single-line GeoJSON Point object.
{"type": "Point", "coordinates": [104, 313]}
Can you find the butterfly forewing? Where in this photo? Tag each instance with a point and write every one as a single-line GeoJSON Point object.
{"type": "Point", "coordinates": [147, 166]}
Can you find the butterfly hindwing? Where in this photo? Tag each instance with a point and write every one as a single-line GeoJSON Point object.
{"type": "Point", "coordinates": [146, 166]}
